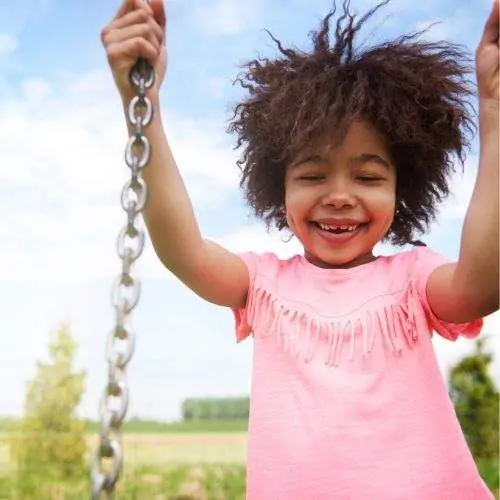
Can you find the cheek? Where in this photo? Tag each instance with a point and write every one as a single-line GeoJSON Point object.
{"type": "Point", "coordinates": [296, 206]}
{"type": "Point", "coordinates": [390, 203]}
{"type": "Point", "coordinates": [387, 208]}
{"type": "Point", "coordinates": [383, 204]}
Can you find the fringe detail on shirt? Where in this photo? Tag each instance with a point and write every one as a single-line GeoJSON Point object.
{"type": "Point", "coordinates": [305, 334]}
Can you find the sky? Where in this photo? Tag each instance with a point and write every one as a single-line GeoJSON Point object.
{"type": "Point", "coordinates": [63, 138]}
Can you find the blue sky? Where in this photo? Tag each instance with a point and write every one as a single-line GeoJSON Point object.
{"type": "Point", "coordinates": [63, 138]}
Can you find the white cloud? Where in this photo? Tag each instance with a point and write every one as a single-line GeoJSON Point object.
{"type": "Point", "coordinates": [218, 86]}
{"type": "Point", "coordinates": [453, 27]}
{"type": "Point", "coordinates": [435, 30]}
{"type": "Point", "coordinates": [204, 157]}
{"type": "Point", "coordinates": [8, 44]}
{"type": "Point", "coordinates": [64, 150]}
{"type": "Point", "coordinates": [226, 17]}
{"type": "Point", "coordinates": [461, 188]}
{"type": "Point", "coordinates": [36, 90]}
{"type": "Point", "coordinates": [19, 14]}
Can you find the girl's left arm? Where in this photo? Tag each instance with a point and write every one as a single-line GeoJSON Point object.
{"type": "Point", "coordinates": [469, 289]}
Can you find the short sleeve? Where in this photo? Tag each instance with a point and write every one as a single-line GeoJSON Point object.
{"type": "Point", "coordinates": [242, 327]}
{"type": "Point", "coordinates": [426, 262]}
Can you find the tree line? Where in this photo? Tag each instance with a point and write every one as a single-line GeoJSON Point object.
{"type": "Point", "coordinates": [216, 409]}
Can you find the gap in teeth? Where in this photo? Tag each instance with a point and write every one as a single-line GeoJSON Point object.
{"type": "Point", "coordinates": [327, 227]}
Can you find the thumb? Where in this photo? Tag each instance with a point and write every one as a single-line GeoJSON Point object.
{"type": "Point", "coordinates": [158, 8]}
{"type": "Point", "coordinates": [491, 28]}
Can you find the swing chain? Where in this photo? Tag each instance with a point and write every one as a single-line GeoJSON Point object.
{"type": "Point", "coordinates": [125, 291]}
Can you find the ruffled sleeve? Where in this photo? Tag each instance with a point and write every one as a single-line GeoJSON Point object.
{"type": "Point", "coordinates": [426, 262]}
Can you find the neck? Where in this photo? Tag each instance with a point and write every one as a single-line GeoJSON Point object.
{"type": "Point", "coordinates": [358, 261]}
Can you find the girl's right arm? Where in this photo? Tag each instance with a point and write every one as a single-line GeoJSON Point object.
{"type": "Point", "coordinates": [215, 274]}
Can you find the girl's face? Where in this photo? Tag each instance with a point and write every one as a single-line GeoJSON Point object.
{"type": "Point", "coordinates": [340, 202]}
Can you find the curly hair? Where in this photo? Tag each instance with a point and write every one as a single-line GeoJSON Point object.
{"type": "Point", "coordinates": [415, 93]}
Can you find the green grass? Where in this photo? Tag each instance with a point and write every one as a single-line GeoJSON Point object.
{"type": "Point", "coordinates": [167, 466]}
{"type": "Point", "coordinates": [203, 482]}
{"type": "Point", "coordinates": [490, 472]}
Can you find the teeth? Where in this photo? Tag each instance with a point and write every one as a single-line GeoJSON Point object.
{"type": "Point", "coordinates": [327, 227]}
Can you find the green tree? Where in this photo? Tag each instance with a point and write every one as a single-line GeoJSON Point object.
{"type": "Point", "coordinates": [51, 440]}
{"type": "Point", "coordinates": [216, 409]}
{"type": "Point", "coordinates": [476, 401]}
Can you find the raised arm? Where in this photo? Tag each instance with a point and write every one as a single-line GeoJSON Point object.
{"type": "Point", "coordinates": [211, 271]}
{"type": "Point", "coordinates": [469, 289]}
{"type": "Point", "coordinates": [215, 274]}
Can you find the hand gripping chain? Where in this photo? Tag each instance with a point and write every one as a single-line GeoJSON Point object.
{"type": "Point", "coordinates": [125, 292]}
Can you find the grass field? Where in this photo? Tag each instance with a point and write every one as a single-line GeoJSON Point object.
{"type": "Point", "coordinates": [168, 448]}
{"type": "Point", "coordinates": [183, 449]}
{"type": "Point", "coordinates": [160, 466]}
{"type": "Point", "coordinates": [168, 466]}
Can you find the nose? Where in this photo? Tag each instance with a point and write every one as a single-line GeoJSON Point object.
{"type": "Point", "coordinates": [339, 193]}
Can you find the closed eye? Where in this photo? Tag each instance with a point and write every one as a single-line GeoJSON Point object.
{"type": "Point", "coordinates": [311, 177]}
{"type": "Point", "coordinates": [369, 179]}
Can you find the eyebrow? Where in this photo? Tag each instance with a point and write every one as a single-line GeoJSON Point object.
{"type": "Point", "coordinates": [360, 159]}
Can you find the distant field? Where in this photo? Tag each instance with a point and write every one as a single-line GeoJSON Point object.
{"type": "Point", "coordinates": [201, 426]}
{"type": "Point", "coordinates": [165, 449]}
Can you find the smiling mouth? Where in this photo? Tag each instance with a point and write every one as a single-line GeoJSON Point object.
{"type": "Point", "coordinates": [343, 229]}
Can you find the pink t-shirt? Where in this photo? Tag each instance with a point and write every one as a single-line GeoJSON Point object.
{"type": "Point", "coordinates": [347, 399]}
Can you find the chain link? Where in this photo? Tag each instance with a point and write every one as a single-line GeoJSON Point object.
{"type": "Point", "coordinates": [125, 292]}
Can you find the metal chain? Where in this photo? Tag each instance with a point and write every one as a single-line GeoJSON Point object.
{"type": "Point", "coordinates": [125, 291]}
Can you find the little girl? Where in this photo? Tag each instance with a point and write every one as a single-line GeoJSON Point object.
{"type": "Point", "coordinates": [344, 147]}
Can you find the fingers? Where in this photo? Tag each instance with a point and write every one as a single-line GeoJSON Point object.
{"type": "Point", "coordinates": [134, 34]}
{"type": "Point", "coordinates": [135, 23]}
{"type": "Point", "coordinates": [131, 5]}
{"type": "Point", "coordinates": [138, 31]}
{"type": "Point", "coordinates": [154, 7]}
{"type": "Point", "coordinates": [135, 48]}
{"type": "Point", "coordinates": [492, 26]}
{"type": "Point", "coordinates": [158, 8]}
